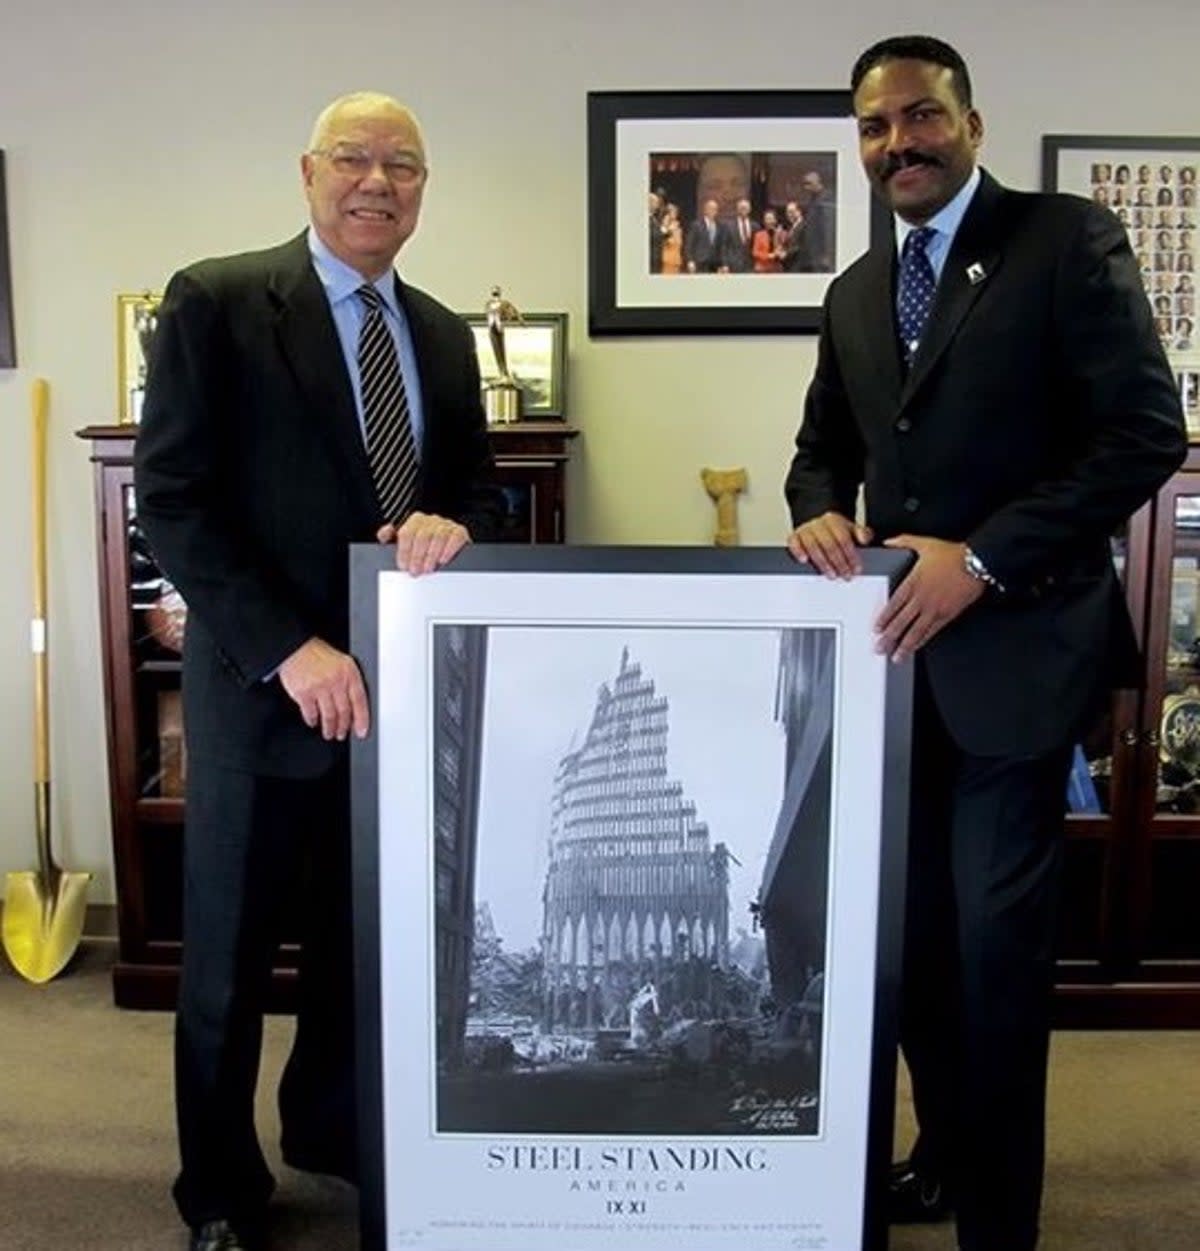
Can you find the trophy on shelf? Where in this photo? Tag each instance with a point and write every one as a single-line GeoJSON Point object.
{"type": "Point", "coordinates": [501, 394]}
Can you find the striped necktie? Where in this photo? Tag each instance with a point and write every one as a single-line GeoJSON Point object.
{"type": "Point", "coordinates": [916, 287]}
{"type": "Point", "coordinates": [391, 448]}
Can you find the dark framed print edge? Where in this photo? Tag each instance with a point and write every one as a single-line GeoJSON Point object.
{"type": "Point", "coordinates": [451, 1096]}
{"type": "Point", "coordinates": [1149, 182]}
{"type": "Point", "coordinates": [536, 348]}
{"type": "Point", "coordinates": [8, 337]}
{"type": "Point", "coordinates": [756, 144]}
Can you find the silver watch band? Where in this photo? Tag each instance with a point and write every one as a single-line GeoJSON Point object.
{"type": "Point", "coordinates": [979, 571]}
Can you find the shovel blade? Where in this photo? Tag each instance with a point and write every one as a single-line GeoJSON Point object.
{"type": "Point", "coordinates": [43, 925]}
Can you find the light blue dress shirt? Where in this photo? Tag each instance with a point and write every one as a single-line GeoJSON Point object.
{"type": "Point", "coordinates": [341, 284]}
{"type": "Point", "coordinates": [944, 223]}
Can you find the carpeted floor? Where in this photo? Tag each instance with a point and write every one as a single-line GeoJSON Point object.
{"type": "Point", "coordinates": [87, 1148]}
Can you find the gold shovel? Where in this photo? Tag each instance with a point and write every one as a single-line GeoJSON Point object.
{"type": "Point", "coordinates": [43, 909]}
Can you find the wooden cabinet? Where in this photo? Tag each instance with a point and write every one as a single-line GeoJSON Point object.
{"type": "Point", "coordinates": [1129, 943]}
{"type": "Point", "coordinates": [146, 763]}
{"type": "Point", "coordinates": [531, 459]}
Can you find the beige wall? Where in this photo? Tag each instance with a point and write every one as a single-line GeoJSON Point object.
{"type": "Point", "coordinates": [141, 134]}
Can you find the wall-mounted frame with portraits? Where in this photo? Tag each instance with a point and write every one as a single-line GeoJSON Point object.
{"type": "Point", "coordinates": [1150, 182]}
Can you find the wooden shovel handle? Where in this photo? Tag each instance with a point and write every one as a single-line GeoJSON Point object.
{"type": "Point", "coordinates": [41, 745]}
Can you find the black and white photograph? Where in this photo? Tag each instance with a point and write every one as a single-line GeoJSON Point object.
{"type": "Point", "coordinates": [635, 899]}
{"type": "Point", "coordinates": [649, 908]}
{"type": "Point", "coordinates": [721, 188]}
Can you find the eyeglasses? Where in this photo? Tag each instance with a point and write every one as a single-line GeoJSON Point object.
{"type": "Point", "coordinates": [401, 169]}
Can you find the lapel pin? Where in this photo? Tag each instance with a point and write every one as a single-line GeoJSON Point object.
{"type": "Point", "coordinates": [976, 273]}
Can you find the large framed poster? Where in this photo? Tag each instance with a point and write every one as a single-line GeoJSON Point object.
{"type": "Point", "coordinates": [629, 862]}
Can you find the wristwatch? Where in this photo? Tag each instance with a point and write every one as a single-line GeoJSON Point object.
{"type": "Point", "coordinates": [979, 571]}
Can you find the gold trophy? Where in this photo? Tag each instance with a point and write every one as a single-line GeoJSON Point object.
{"type": "Point", "coordinates": [502, 394]}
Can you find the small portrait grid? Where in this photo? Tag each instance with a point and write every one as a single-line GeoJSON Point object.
{"type": "Point", "coordinates": [1154, 198]}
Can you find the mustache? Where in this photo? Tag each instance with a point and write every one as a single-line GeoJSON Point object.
{"type": "Point", "coordinates": [906, 160]}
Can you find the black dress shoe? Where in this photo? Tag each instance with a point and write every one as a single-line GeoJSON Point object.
{"type": "Point", "coordinates": [915, 1197]}
{"type": "Point", "coordinates": [220, 1235]}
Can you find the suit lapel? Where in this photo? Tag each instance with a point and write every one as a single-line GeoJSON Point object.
{"type": "Point", "coordinates": [309, 342]}
{"type": "Point", "coordinates": [425, 351]}
{"type": "Point", "coordinates": [973, 260]}
{"type": "Point", "coordinates": [878, 319]}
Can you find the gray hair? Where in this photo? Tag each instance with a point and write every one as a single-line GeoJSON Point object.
{"type": "Point", "coordinates": [375, 101]}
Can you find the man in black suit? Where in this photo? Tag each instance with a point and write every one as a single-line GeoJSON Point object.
{"type": "Point", "coordinates": [657, 237]}
{"type": "Point", "coordinates": [707, 245]}
{"type": "Point", "coordinates": [253, 478]}
{"type": "Point", "coordinates": [739, 239]}
{"type": "Point", "coordinates": [819, 224]}
{"type": "Point", "coordinates": [1001, 443]}
{"type": "Point", "coordinates": [795, 243]}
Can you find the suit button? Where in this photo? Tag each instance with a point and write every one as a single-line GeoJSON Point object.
{"type": "Point", "coordinates": [911, 504]}
{"type": "Point", "coordinates": [904, 425]}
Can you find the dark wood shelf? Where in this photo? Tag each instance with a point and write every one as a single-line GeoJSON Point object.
{"type": "Point", "coordinates": [159, 810]}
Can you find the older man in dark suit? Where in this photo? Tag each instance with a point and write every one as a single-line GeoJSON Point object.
{"type": "Point", "coordinates": [706, 249]}
{"type": "Point", "coordinates": [990, 375]}
{"type": "Point", "coordinates": [300, 399]}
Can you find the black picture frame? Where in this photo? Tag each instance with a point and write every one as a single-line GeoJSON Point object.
{"type": "Point", "coordinates": [775, 135]}
{"type": "Point", "coordinates": [8, 341]}
{"type": "Point", "coordinates": [1150, 182]}
{"type": "Point", "coordinates": [388, 610]}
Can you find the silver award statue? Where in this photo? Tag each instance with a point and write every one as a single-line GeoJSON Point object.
{"type": "Point", "coordinates": [501, 394]}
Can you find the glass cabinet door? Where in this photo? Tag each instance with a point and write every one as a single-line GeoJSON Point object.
{"type": "Point", "coordinates": [157, 618]}
{"type": "Point", "coordinates": [1167, 866]}
{"type": "Point", "coordinates": [1099, 802]}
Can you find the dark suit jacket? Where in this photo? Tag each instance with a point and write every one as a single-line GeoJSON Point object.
{"type": "Point", "coordinates": [795, 249]}
{"type": "Point", "coordinates": [819, 224]}
{"type": "Point", "coordinates": [252, 481]}
{"type": "Point", "coordinates": [705, 253]}
{"type": "Point", "coordinates": [1039, 413]}
{"type": "Point", "coordinates": [739, 255]}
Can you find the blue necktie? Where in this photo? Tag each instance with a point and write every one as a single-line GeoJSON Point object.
{"type": "Point", "coordinates": [915, 294]}
{"type": "Point", "coordinates": [391, 448]}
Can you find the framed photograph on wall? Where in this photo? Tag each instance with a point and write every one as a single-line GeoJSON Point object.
{"type": "Point", "coordinates": [8, 338]}
{"type": "Point", "coordinates": [536, 347]}
{"type": "Point", "coordinates": [628, 899]}
{"type": "Point", "coordinates": [137, 319]}
{"type": "Point", "coordinates": [670, 252]}
{"type": "Point", "coordinates": [1150, 183]}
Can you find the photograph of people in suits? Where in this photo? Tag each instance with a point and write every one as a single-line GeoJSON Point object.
{"type": "Point", "coordinates": [745, 187]}
{"type": "Point", "coordinates": [299, 399]}
{"type": "Point", "coordinates": [1001, 449]}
